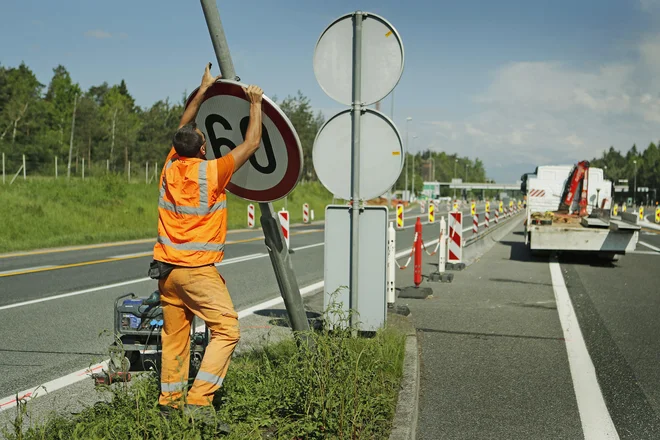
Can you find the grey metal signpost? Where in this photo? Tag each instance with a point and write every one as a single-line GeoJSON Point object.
{"type": "Point", "coordinates": [279, 254]}
{"type": "Point", "coordinates": [356, 113]}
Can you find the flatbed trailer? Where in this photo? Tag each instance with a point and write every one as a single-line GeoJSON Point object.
{"type": "Point", "coordinates": [605, 237]}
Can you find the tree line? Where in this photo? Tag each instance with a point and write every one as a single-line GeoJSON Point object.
{"type": "Point", "coordinates": [645, 165]}
{"type": "Point", "coordinates": [37, 121]}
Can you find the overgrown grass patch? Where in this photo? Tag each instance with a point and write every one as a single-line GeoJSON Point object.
{"type": "Point", "coordinates": [45, 212]}
{"type": "Point", "coordinates": [340, 387]}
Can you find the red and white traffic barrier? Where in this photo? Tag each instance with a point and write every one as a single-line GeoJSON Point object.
{"type": "Point", "coordinates": [475, 223]}
{"type": "Point", "coordinates": [497, 216]}
{"type": "Point", "coordinates": [305, 213]}
{"type": "Point", "coordinates": [284, 223]}
{"type": "Point", "coordinates": [455, 247]}
{"type": "Point", "coordinates": [422, 206]}
{"type": "Point", "coordinates": [250, 216]}
{"type": "Point", "coordinates": [487, 220]}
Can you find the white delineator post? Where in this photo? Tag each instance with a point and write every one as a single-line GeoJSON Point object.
{"type": "Point", "coordinates": [442, 252]}
{"type": "Point", "coordinates": [475, 223]}
{"type": "Point", "coordinates": [284, 222]}
{"type": "Point", "coordinates": [305, 213]}
{"type": "Point", "coordinates": [391, 264]}
{"type": "Point", "coordinates": [250, 215]}
{"type": "Point", "coordinates": [311, 214]}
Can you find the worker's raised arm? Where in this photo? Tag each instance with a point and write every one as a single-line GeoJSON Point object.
{"type": "Point", "coordinates": [190, 113]}
{"type": "Point", "coordinates": [253, 134]}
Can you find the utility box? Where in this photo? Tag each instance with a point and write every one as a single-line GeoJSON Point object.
{"type": "Point", "coordinates": [372, 300]}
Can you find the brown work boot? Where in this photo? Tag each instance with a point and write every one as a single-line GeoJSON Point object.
{"type": "Point", "coordinates": [206, 415]}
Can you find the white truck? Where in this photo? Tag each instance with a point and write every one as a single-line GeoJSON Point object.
{"type": "Point", "coordinates": [569, 209]}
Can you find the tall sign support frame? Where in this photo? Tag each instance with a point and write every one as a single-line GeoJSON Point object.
{"type": "Point", "coordinates": [356, 111]}
{"type": "Point", "coordinates": [277, 250]}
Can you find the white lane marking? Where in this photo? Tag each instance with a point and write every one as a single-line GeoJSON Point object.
{"type": "Point", "coordinates": [135, 281]}
{"type": "Point", "coordinates": [136, 254]}
{"type": "Point", "coordinates": [80, 375]}
{"type": "Point", "coordinates": [9, 272]}
{"type": "Point", "coordinates": [76, 293]}
{"type": "Point", "coordinates": [309, 246]}
{"type": "Point", "coordinates": [650, 246]}
{"type": "Point", "coordinates": [643, 252]}
{"type": "Point", "coordinates": [596, 420]}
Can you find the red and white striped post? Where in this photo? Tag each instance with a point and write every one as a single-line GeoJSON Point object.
{"type": "Point", "coordinates": [455, 247]}
{"type": "Point", "coordinates": [250, 216]}
{"type": "Point", "coordinates": [487, 220]}
{"type": "Point", "coordinates": [475, 223]}
{"type": "Point", "coordinates": [497, 216]}
{"type": "Point", "coordinates": [305, 213]}
{"type": "Point", "coordinates": [284, 223]}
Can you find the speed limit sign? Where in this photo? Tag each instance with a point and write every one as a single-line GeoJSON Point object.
{"type": "Point", "coordinates": [274, 170]}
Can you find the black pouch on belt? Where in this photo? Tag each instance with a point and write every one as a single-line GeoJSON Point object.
{"type": "Point", "coordinates": [159, 270]}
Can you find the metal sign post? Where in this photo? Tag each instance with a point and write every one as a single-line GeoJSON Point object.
{"type": "Point", "coordinates": [279, 255]}
{"type": "Point", "coordinates": [356, 113]}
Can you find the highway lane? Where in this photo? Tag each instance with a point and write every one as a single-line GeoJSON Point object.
{"type": "Point", "coordinates": [45, 340]}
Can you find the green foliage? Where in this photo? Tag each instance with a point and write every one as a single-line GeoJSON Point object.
{"type": "Point", "coordinates": [338, 387]}
{"type": "Point", "coordinates": [624, 167]}
{"type": "Point", "coordinates": [44, 212]}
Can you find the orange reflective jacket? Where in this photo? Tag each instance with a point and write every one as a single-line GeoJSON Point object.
{"type": "Point", "coordinates": [192, 211]}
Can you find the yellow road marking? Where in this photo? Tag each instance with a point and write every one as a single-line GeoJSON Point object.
{"type": "Point", "coordinates": [129, 257]}
{"type": "Point", "coordinates": [652, 231]}
{"type": "Point", "coordinates": [95, 246]}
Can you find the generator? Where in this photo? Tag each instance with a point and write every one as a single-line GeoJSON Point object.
{"type": "Point", "coordinates": [138, 323]}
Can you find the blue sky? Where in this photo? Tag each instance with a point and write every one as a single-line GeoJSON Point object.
{"type": "Point", "coordinates": [515, 83]}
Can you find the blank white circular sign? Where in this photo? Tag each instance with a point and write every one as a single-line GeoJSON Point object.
{"type": "Point", "coordinates": [382, 59]}
{"type": "Point", "coordinates": [381, 154]}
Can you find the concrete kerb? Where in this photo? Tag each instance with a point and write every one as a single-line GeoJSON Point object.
{"type": "Point", "coordinates": [475, 249]}
{"type": "Point", "coordinates": [404, 424]}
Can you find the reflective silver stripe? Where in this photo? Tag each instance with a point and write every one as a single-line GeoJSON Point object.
{"type": "Point", "coordinates": [192, 246]}
{"type": "Point", "coordinates": [203, 186]}
{"type": "Point", "coordinates": [190, 210]}
{"type": "Point", "coordinates": [210, 378]}
{"type": "Point", "coordinates": [203, 208]}
{"type": "Point", "coordinates": [172, 387]}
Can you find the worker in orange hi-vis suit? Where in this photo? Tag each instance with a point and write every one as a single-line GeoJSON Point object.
{"type": "Point", "coordinates": [192, 225]}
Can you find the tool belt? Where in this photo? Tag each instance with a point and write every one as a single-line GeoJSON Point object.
{"type": "Point", "coordinates": [159, 270]}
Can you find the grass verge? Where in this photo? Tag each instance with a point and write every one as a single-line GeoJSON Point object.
{"type": "Point", "coordinates": [342, 388]}
{"type": "Point", "coordinates": [45, 212]}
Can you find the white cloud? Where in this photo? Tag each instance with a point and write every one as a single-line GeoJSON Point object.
{"type": "Point", "coordinates": [536, 113]}
{"type": "Point", "coordinates": [98, 33]}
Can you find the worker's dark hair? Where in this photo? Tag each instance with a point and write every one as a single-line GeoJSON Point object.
{"type": "Point", "coordinates": [187, 141]}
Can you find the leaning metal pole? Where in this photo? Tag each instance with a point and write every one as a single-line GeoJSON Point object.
{"type": "Point", "coordinates": [277, 249]}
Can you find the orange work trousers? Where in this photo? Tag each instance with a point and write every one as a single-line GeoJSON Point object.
{"type": "Point", "coordinates": [185, 293]}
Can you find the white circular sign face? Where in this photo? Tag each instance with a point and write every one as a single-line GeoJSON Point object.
{"type": "Point", "coordinates": [381, 154]}
{"type": "Point", "coordinates": [273, 171]}
{"type": "Point", "coordinates": [382, 59]}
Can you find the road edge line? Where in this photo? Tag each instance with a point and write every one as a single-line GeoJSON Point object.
{"type": "Point", "coordinates": [596, 420]}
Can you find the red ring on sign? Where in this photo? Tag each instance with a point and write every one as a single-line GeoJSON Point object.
{"type": "Point", "coordinates": [286, 130]}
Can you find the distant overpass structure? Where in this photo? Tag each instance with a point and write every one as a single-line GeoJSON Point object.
{"type": "Point", "coordinates": [432, 189]}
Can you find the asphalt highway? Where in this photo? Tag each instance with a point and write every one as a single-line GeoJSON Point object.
{"type": "Point", "coordinates": [56, 305]}
{"type": "Point", "coordinates": [494, 352]}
